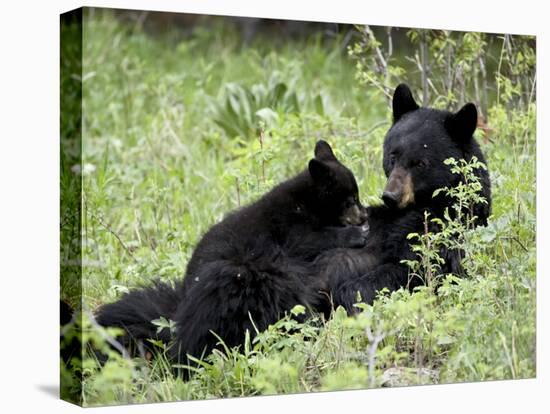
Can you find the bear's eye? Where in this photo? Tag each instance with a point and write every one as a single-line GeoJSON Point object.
{"type": "Point", "coordinates": [392, 159]}
{"type": "Point", "coordinates": [420, 164]}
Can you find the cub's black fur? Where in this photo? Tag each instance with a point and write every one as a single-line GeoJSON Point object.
{"type": "Point", "coordinates": [415, 147]}
{"type": "Point", "coordinates": [135, 311]}
{"type": "Point", "coordinates": [253, 266]}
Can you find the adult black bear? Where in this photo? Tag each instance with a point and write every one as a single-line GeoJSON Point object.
{"type": "Point", "coordinates": [415, 147]}
{"type": "Point", "coordinates": [253, 266]}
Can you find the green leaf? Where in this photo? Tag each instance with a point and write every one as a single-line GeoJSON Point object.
{"type": "Point", "coordinates": [298, 310]}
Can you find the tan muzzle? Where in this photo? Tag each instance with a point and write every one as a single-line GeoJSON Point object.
{"type": "Point", "coordinates": [399, 191]}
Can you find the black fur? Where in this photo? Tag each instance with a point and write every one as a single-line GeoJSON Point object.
{"type": "Point", "coordinates": [135, 311]}
{"type": "Point", "coordinates": [415, 147]}
{"type": "Point", "coordinates": [253, 266]}
{"type": "Point", "coordinates": [70, 345]}
{"type": "Point", "coordinates": [256, 264]}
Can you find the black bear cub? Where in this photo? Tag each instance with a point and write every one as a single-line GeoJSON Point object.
{"type": "Point", "coordinates": [256, 264]}
{"type": "Point", "coordinates": [415, 148]}
{"type": "Point", "coordinates": [253, 266]}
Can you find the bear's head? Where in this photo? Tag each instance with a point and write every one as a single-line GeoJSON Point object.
{"type": "Point", "coordinates": [336, 192]}
{"type": "Point", "coordinates": [415, 148]}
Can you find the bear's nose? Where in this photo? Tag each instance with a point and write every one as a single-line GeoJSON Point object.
{"type": "Point", "coordinates": [363, 215]}
{"type": "Point", "coordinates": [390, 198]}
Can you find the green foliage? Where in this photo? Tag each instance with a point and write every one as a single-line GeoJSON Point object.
{"type": "Point", "coordinates": [449, 68]}
{"type": "Point", "coordinates": [242, 109]}
{"type": "Point", "coordinates": [375, 65]}
{"type": "Point", "coordinates": [158, 170]}
{"type": "Point", "coordinates": [456, 230]}
{"type": "Point", "coordinates": [163, 323]}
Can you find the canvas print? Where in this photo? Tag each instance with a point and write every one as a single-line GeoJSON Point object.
{"type": "Point", "coordinates": [253, 206]}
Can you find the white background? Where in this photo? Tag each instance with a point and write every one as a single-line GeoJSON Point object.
{"type": "Point", "coordinates": [29, 198]}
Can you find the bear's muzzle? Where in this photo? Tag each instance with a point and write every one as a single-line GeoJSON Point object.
{"type": "Point", "coordinates": [399, 191]}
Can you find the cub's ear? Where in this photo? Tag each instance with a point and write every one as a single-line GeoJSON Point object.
{"type": "Point", "coordinates": [403, 102]}
{"type": "Point", "coordinates": [319, 171]}
{"type": "Point", "coordinates": [462, 124]}
{"type": "Point", "coordinates": [323, 151]}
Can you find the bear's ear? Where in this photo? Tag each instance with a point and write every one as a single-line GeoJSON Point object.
{"type": "Point", "coordinates": [323, 151]}
{"type": "Point", "coordinates": [462, 124]}
{"type": "Point", "coordinates": [319, 171]}
{"type": "Point", "coordinates": [403, 102]}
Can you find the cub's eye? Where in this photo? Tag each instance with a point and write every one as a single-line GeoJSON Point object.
{"type": "Point", "coordinates": [392, 159]}
{"type": "Point", "coordinates": [421, 164]}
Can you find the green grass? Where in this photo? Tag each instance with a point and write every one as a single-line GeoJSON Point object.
{"type": "Point", "coordinates": [160, 171]}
